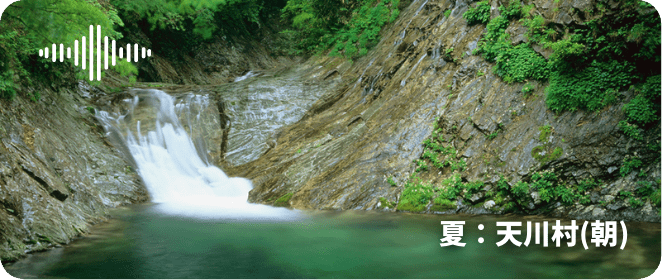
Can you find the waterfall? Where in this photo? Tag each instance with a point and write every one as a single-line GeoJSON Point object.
{"type": "Point", "coordinates": [250, 74]}
{"type": "Point", "coordinates": [179, 180]}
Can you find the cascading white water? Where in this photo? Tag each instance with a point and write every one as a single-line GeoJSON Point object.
{"type": "Point", "coordinates": [177, 178]}
{"type": "Point", "coordinates": [250, 74]}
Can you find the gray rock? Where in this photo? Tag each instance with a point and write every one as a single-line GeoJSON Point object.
{"type": "Point", "coordinates": [616, 205]}
{"type": "Point", "coordinates": [477, 197]}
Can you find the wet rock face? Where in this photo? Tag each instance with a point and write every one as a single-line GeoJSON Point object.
{"type": "Point", "coordinates": [340, 155]}
{"type": "Point", "coordinates": [57, 174]}
{"type": "Point", "coordinates": [258, 104]}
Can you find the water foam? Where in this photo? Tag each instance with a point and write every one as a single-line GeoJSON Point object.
{"type": "Point", "coordinates": [179, 181]}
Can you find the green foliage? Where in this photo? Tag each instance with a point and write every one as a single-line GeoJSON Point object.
{"type": "Point", "coordinates": [544, 153]}
{"type": "Point", "coordinates": [655, 198]}
{"type": "Point", "coordinates": [34, 96]}
{"type": "Point", "coordinates": [545, 132]}
{"type": "Point", "coordinates": [587, 184]}
{"type": "Point", "coordinates": [513, 63]}
{"type": "Point", "coordinates": [480, 14]}
{"type": "Point", "coordinates": [607, 55]}
{"type": "Point", "coordinates": [283, 201]}
{"type": "Point", "coordinates": [447, 13]}
{"type": "Point", "coordinates": [565, 50]}
{"type": "Point", "coordinates": [30, 25]}
{"type": "Point", "coordinates": [127, 69]}
{"type": "Point", "coordinates": [543, 156]}
{"type": "Point", "coordinates": [442, 204]}
{"type": "Point", "coordinates": [625, 194]}
{"type": "Point", "coordinates": [590, 89]}
{"type": "Point", "coordinates": [630, 130]}
{"type": "Point", "coordinates": [7, 86]}
{"type": "Point", "coordinates": [629, 164]}
{"type": "Point", "coordinates": [526, 9]}
{"type": "Point", "coordinates": [527, 89]}
{"type": "Point", "coordinates": [386, 204]}
{"type": "Point", "coordinates": [512, 11]}
{"type": "Point", "coordinates": [473, 188]}
{"type": "Point", "coordinates": [391, 181]}
{"type": "Point", "coordinates": [495, 40]}
{"type": "Point", "coordinates": [451, 187]}
{"type": "Point", "coordinates": [634, 202]}
{"type": "Point", "coordinates": [551, 189]}
{"type": "Point", "coordinates": [330, 24]}
{"type": "Point", "coordinates": [651, 88]}
{"type": "Point", "coordinates": [439, 155]}
{"type": "Point", "coordinates": [44, 22]}
{"type": "Point", "coordinates": [205, 17]}
{"type": "Point", "coordinates": [458, 165]}
{"type": "Point", "coordinates": [415, 197]}
{"type": "Point", "coordinates": [422, 166]}
{"type": "Point", "coordinates": [644, 108]}
{"type": "Point", "coordinates": [520, 189]}
{"type": "Point", "coordinates": [641, 110]}
{"type": "Point", "coordinates": [589, 65]}
{"type": "Point", "coordinates": [645, 189]}
{"type": "Point", "coordinates": [519, 63]}
{"type": "Point", "coordinates": [535, 28]}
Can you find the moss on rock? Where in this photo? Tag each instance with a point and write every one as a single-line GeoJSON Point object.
{"type": "Point", "coordinates": [284, 200]}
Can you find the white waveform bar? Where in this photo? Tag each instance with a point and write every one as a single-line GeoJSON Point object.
{"type": "Point", "coordinates": [53, 52]}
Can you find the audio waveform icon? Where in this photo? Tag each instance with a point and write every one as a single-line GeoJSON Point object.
{"type": "Point", "coordinates": [54, 54]}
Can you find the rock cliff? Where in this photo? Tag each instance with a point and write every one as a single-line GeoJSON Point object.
{"type": "Point", "coordinates": [356, 147]}
{"type": "Point", "coordinates": [419, 114]}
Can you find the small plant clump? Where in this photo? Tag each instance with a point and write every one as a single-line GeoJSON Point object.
{"type": "Point", "coordinates": [495, 133]}
{"type": "Point", "coordinates": [35, 96]}
{"type": "Point", "coordinates": [527, 89]}
{"type": "Point", "coordinates": [479, 14]}
{"type": "Point", "coordinates": [391, 181]}
{"type": "Point", "coordinates": [384, 203]}
{"type": "Point", "coordinates": [512, 11]}
{"type": "Point", "coordinates": [633, 200]}
{"type": "Point", "coordinates": [442, 204]}
{"type": "Point", "coordinates": [545, 132]}
{"type": "Point", "coordinates": [540, 154]}
{"type": "Point", "coordinates": [284, 200]}
{"type": "Point", "coordinates": [629, 165]}
{"type": "Point", "coordinates": [415, 197]}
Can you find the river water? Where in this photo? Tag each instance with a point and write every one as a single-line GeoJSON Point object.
{"type": "Point", "coordinates": [142, 242]}
{"type": "Point", "coordinates": [200, 225]}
